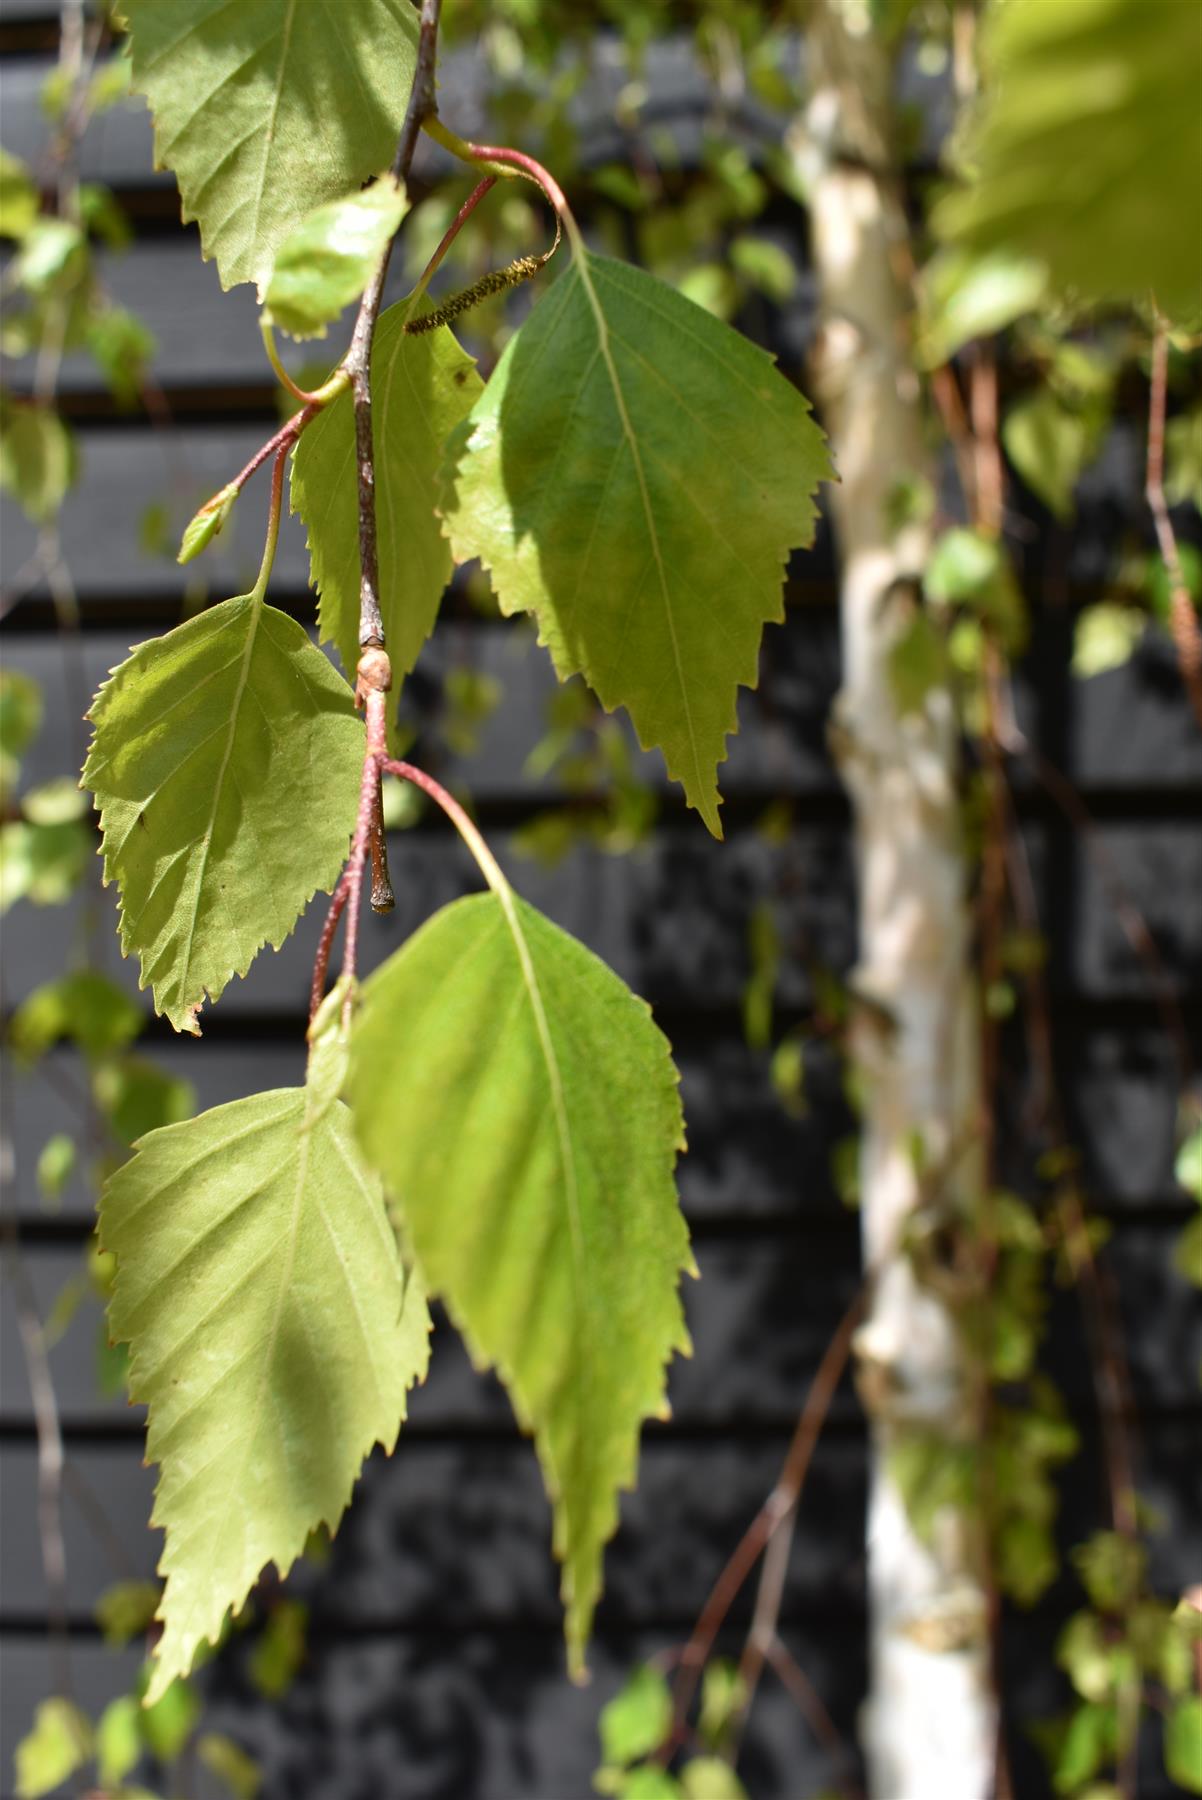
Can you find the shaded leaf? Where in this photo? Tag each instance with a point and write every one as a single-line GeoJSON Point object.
{"type": "Point", "coordinates": [273, 1336]}
{"type": "Point", "coordinates": [85, 1007]}
{"type": "Point", "coordinates": [38, 461]}
{"type": "Point", "coordinates": [118, 1740]}
{"type": "Point", "coordinates": [239, 1773]}
{"type": "Point", "coordinates": [422, 387]}
{"type": "Point", "coordinates": [636, 474]}
{"type": "Point", "coordinates": [1183, 1744]}
{"type": "Point", "coordinates": [125, 1610]}
{"type": "Point", "coordinates": [556, 1130]}
{"type": "Point", "coordinates": [1049, 445]}
{"type": "Point", "coordinates": [225, 767]}
{"type": "Point", "coordinates": [327, 260]}
{"type": "Point", "coordinates": [235, 94]}
{"type": "Point", "coordinates": [1086, 148]}
{"type": "Point", "coordinates": [19, 204]}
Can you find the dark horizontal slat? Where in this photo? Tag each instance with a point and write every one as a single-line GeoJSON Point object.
{"type": "Point", "coordinates": [674, 920]}
{"type": "Point", "coordinates": [760, 1318]}
{"type": "Point", "coordinates": [447, 1533]}
{"type": "Point", "coordinates": [464, 1531]}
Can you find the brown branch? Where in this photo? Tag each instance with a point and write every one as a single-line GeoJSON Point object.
{"type": "Point", "coordinates": [779, 1509]}
{"type": "Point", "coordinates": [1183, 619]}
{"type": "Point", "coordinates": [357, 364]}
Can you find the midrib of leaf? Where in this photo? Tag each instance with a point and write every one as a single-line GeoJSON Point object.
{"type": "Point", "coordinates": [235, 713]}
{"type": "Point", "coordinates": [581, 263]}
{"type": "Point", "coordinates": [269, 133]}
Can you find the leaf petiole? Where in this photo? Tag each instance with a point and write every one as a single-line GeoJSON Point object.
{"type": "Point", "coordinates": [329, 390]}
{"type": "Point", "coordinates": [273, 524]}
{"type": "Point", "coordinates": [487, 863]}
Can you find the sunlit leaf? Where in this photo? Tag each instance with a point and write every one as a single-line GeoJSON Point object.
{"type": "Point", "coordinates": [635, 475]}
{"type": "Point", "coordinates": [1105, 637]}
{"type": "Point", "coordinates": [265, 110]}
{"type": "Point", "coordinates": [225, 767]}
{"type": "Point", "coordinates": [273, 1336]}
{"type": "Point", "coordinates": [556, 1130]}
{"type": "Point", "coordinates": [327, 260]}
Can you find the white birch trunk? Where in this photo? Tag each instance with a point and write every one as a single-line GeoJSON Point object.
{"type": "Point", "coordinates": [930, 1722]}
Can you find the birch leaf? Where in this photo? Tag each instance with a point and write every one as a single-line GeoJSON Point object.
{"type": "Point", "coordinates": [266, 109]}
{"type": "Point", "coordinates": [273, 1337]}
{"type": "Point", "coordinates": [225, 766]}
{"type": "Point", "coordinates": [1086, 148]}
{"type": "Point", "coordinates": [519, 1101]}
{"type": "Point", "coordinates": [328, 260]}
{"type": "Point", "coordinates": [422, 387]}
{"type": "Point", "coordinates": [635, 474]}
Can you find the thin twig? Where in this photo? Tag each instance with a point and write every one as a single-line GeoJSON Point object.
{"type": "Point", "coordinates": [808, 1701]}
{"type": "Point", "coordinates": [50, 1461]}
{"type": "Point", "coordinates": [1183, 619]}
{"type": "Point", "coordinates": [778, 1509]}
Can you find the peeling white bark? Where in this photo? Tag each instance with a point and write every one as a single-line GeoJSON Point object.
{"type": "Point", "coordinates": [930, 1722]}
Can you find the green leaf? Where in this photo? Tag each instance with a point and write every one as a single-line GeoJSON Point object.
{"type": "Point", "coordinates": [1183, 459]}
{"type": "Point", "coordinates": [167, 1720]}
{"type": "Point", "coordinates": [329, 258]}
{"type": "Point", "coordinates": [239, 1773]}
{"type": "Point", "coordinates": [1187, 1252]}
{"type": "Point", "coordinates": [126, 1610]}
{"type": "Point", "coordinates": [52, 256]}
{"type": "Point", "coordinates": [136, 1097]}
{"type": "Point", "coordinates": [38, 461]}
{"type": "Point", "coordinates": [723, 1697]}
{"type": "Point", "coordinates": [118, 1740]}
{"type": "Point", "coordinates": [649, 1783]}
{"type": "Point", "coordinates": [122, 348]}
{"type": "Point", "coordinates": [56, 1165]}
{"type": "Point", "coordinates": [225, 766]}
{"type": "Point", "coordinates": [1112, 1569]}
{"type": "Point", "coordinates": [918, 662]}
{"type": "Point", "coordinates": [266, 110]}
{"type": "Point", "coordinates": [1085, 1653]}
{"type": "Point", "coordinates": [556, 1130]}
{"type": "Point", "coordinates": [19, 204]}
{"type": "Point", "coordinates": [86, 1008]}
{"type": "Point", "coordinates": [638, 1719]}
{"type": "Point", "coordinates": [260, 1289]}
{"type": "Point", "coordinates": [710, 1778]}
{"type": "Point", "coordinates": [281, 1649]}
{"type": "Point", "coordinates": [962, 297]}
{"type": "Point", "coordinates": [20, 722]}
{"type": "Point", "coordinates": [1086, 149]}
{"type": "Point", "coordinates": [1183, 1744]}
{"type": "Point", "coordinates": [1049, 445]}
{"type": "Point", "coordinates": [1187, 1170]}
{"type": "Point", "coordinates": [42, 863]}
{"type": "Point", "coordinates": [1090, 1741]}
{"type": "Point", "coordinates": [635, 474]}
{"type": "Point", "coordinates": [1105, 637]}
{"type": "Point", "coordinates": [423, 386]}
{"type": "Point", "coordinates": [60, 1743]}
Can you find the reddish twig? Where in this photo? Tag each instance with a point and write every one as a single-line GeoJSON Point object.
{"type": "Point", "coordinates": [778, 1509]}
{"type": "Point", "coordinates": [1183, 619]}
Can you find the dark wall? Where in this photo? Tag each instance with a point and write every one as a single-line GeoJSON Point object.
{"type": "Point", "coordinates": [436, 1665]}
